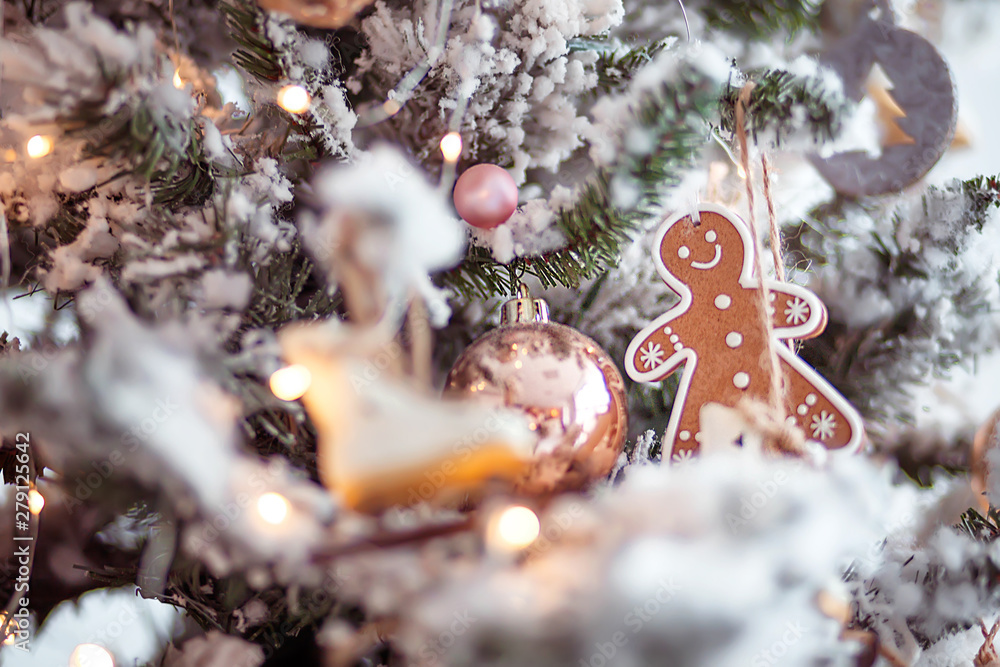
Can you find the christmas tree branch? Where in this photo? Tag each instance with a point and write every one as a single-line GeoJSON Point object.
{"type": "Point", "coordinates": [758, 19]}
{"type": "Point", "coordinates": [918, 270]}
{"type": "Point", "coordinates": [982, 528]}
{"type": "Point", "coordinates": [256, 54]}
{"type": "Point", "coordinates": [166, 153]}
{"type": "Point", "coordinates": [781, 102]}
{"type": "Point", "coordinates": [983, 193]}
{"type": "Point", "coordinates": [674, 119]}
{"type": "Point", "coordinates": [271, 60]}
{"type": "Point", "coordinates": [615, 68]}
{"type": "Point", "coordinates": [287, 289]}
{"type": "Point", "coordinates": [595, 228]}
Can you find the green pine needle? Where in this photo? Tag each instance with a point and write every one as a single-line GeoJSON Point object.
{"type": "Point", "coordinates": [674, 121]}
{"type": "Point", "coordinates": [759, 19]}
{"type": "Point", "coordinates": [780, 101]}
{"type": "Point", "coordinates": [616, 68]}
{"type": "Point", "coordinates": [982, 528]}
{"type": "Point", "coordinates": [167, 154]}
{"type": "Point", "coordinates": [256, 55]}
{"type": "Point", "coordinates": [595, 228]}
{"type": "Point", "coordinates": [877, 365]}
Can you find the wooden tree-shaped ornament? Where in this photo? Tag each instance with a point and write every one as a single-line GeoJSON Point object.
{"type": "Point", "coordinates": [715, 334]}
{"type": "Point", "coordinates": [923, 91]}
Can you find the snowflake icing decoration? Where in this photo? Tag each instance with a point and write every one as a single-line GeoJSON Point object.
{"type": "Point", "coordinates": [823, 425]}
{"type": "Point", "coordinates": [682, 457]}
{"type": "Point", "coordinates": [652, 356]}
{"type": "Point", "coordinates": [797, 311]}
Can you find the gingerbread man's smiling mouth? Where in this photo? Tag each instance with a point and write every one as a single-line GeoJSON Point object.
{"type": "Point", "coordinates": [710, 265]}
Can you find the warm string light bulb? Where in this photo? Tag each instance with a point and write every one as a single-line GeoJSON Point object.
{"type": "Point", "coordinates": [451, 146]}
{"type": "Point", "coordinates": [91, 655]}
{"type": "Point", "coordinates": [273, 508]}
{"type": "Point", "coordinates": [9, 639]}
{"type": "Point", "coordinates": [294, 99]}
{"type": "Point", "coordinates": [513, 529]}
{"type": "Point", "coordinates": [36, 501]}
{"type": "Point", "coordinates": [39, 146]}
{"type": "Point", "coordinates": [178, 81]}
{"type": "Point", "coordinates": [391, 107]}
{"type": "Point", "coordinates": [291, 382]}
{"type": "Point", "coordinates": [732, 158]}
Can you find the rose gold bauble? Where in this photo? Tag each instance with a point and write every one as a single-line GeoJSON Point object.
{"type": "Point", "coordinates": [567, 386]}
{"type": "Point", "coordinates": [485, 196]}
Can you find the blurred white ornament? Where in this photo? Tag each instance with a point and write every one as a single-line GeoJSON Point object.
{"type": "Point", "coordinates": [380, 441]}
{"type": "Point", "coordinates": [382, 229]}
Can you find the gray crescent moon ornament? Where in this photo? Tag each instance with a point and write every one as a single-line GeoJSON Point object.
{"type": "Point", "coordinates": [923, 88]}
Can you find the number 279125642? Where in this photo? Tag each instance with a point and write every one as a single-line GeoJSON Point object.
{"type": "Point", "coordinates": [22, 475]}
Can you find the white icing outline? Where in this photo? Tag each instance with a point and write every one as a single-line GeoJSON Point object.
{"type": "Point", "coordinates": [689, 358]}
{"type": "Point", "coordinates": [704, 266]}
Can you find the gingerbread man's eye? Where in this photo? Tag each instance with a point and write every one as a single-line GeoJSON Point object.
{"type": "Point", "coordinates": [683, 252]}
{"type": "Point", "coordinates": [710, 236]}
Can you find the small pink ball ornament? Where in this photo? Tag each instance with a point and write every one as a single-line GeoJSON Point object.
{"type": "Point", "coordinates": [485, 196]}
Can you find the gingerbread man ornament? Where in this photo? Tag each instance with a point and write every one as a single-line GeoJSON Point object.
{"type": "Point", "coordinates": [715, 333]}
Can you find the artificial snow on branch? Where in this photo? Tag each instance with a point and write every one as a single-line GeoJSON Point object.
{"type": "Point", "coordinates": [782, 103]}
{"type": "Point", "coordinates": [911, 288]}
{"type": "Point", "coordinates": [760, 18]}
{"type": "Point", "coordinates": [637, 160]}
